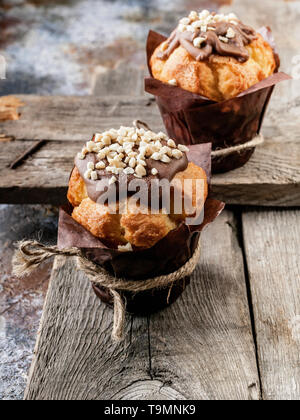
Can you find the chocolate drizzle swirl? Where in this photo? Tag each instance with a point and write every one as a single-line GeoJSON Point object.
{"type": "Point", "coordinates": [235, 47]}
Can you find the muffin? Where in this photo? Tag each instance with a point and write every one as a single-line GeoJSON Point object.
{"type": "Point", "coordinates": [137, 205]}
{"type": "Point", "coordinates": [122, 157]}
{"type": "Point", "coordinates": [213, 79]}
{"type": "Point", "coordinates": [215, 56]}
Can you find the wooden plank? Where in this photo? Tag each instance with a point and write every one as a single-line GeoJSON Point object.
{"type": "Point", "coordinates": [272, 243]}
{"type": "Point", "coordinates": [77, 118]}
{"type": "Point", "coordinates": [202, 347]}
{"type": "Point", "coordinates": [271, 178]}
{"type": "Point", "coordinates": [74, 355]}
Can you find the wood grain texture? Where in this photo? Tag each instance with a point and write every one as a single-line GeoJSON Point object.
{"type": "Point", "coordinates": [77, 118]}
{"type": "Point", "coordinates": [74, 356]}
{"type": "Point", "coordinates": [272, 243]}
{"type": "Point", "coordinates": [272, 177]}
{"type": "Point", "coordinates": [203, 344]}
{"type": "Point", "coordinates": [201, 347]}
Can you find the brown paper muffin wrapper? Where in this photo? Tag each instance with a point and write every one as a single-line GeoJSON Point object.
{"type": "Point", "coordinates": [167, 256]}
{"type": "Point", "coordinates": [191, 119]}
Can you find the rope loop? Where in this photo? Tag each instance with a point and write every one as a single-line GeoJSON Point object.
{"type": "Point", "coordinates": [31, 254]}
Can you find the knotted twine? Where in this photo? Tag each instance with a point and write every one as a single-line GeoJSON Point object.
{"type": "Point", "coordinates": [256, 141]}
{"type": "Point", "coordinates": [31, 254]}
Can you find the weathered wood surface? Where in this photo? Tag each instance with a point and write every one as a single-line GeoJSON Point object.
{"type": "Point", "coordinates": [200, 348]}
{"type": "Point", "coordinates": [272, 243]}
{"type": "Point", "coordinates": [272, 177]}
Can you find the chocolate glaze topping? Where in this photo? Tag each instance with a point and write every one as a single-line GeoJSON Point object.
{"type": "Point", "coordinates": [95, 189]}
{"type": "Point", "coordinates": [235, 47]}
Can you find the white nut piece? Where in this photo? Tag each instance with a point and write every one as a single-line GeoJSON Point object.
{"type": "Point", "coordinates": [90, 146]}
{"type": "Point", "coordinates": [112, 180]}
{"type": "Point", "coordinates": [128, 171]}
{"type": "Point", "coordinates": [165, 159]}
{"type": "Point", "coordinates": [185, 21]}
{"type": "Point", "coordinates": [142, 162]}
{"type": "Point", "coordinates": [224, 39]}
{"type": "Point", "coordinates": [232, 16]}
{"type": "Point", "coordinates": [132, 162]}
{"type": "Point", "coordinates": [193, 15]}
{"type": "Point", "coordinates": [204, 14]}
{"type": "Point", "coordinates": [125, 248]}
{"type": "Point", "coordinates": [156, 156]}
{"type": "Point", "coordinates": [154, 171]}
{"type": "Point", "coordinates": [183, 148]}
{"type": "Point", "coordinates": [171, 143]}
{"type": "Point", "coordinates": [88, 174]}
{"type": "Point", "coordinates": [100, 165]}
{"type": "Point", "coordinates": [199, 41]}
{"type": "Point", "coordinates": [230, 33]}
{"type": "Point", "coordinates": [177, 154]}
{"type": "Point", "coordinates": [106, 140]}
{"type": "Point", "coordinates": [94, 176]}
{"type": "Point", "coordinates": [182, 28]}
{"type": "Point", "coordinates": [98, 137]}
{"type": "Point", "coordinates": [173, 82]}
{"type": "Point", "coordinates": [81, 156]}
{"type": "Point", "coordinates": [91, 166]}
{"type": "Point", "coordinates": [140, 170]}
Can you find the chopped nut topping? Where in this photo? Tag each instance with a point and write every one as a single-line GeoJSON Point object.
{"type": "Point", "coordinates": [154, 171]}
{"type": "Point", "coordinates": [193, 15]}
{"type": "Point", "coordinates": [91, 166]}
{"type": "Point", "coordinates": [88, 174]}
{"type": "Point", "coordinates": [224, 39]}
{"type": "Point", "coordinates": [173, 82]}
{"type": "Point", "coordinates": [199, 41]}
{"type": "Point", "coordinates": [126, 151]}
{"type": "Point", "coordinates": [230, 33]}
{"type": "Point", "coordinates": [177, 154]}
{"type": "Point", "coordinates": [98, 137]}
{"type": "Point", "coordinates": [182, 28]}
{"type": "Point", "coordinates": [94, 176]}
{"type": "Point", "coordinates": [140, 170]}
{"type": "Point", "coordinates": [185, 21]}
{"type": "Point", "coordinates": [125, 248]}
{"type": "Point", "coordinates": [204, 21]}
{"type": "Point", "coordinates": [171, 143]}
{"type": "Point", "coordinates": [81, 156]}
{"type": "Point", "coordinates": [183, 148]}
{"type": "Point", "coordinates": [100, 165]}
{"type": "Point", "coordinates": [112, 180]}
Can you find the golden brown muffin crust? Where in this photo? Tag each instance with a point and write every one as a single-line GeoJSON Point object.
{"type": "Point", "coordinates": [218, 78]}
{"type": "Point", "coordinates": [139, 229]}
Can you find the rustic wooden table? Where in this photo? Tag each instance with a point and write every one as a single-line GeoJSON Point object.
{"type": "Point", "coordinates": [235, 332]}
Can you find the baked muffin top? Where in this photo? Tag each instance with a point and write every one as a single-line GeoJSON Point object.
{"type": "Point", "coordinates": [130, 153]}
{"type": "Point", "coordinates": [215, 56]}
{"type": "Point", "coordinates": [207, 33]}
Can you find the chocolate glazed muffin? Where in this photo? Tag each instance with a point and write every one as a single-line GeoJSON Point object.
{"type": "Point", "coordinates": [213, 79]}
{"type": "Point", "coordinates": [215, 56]}
{"type": "Point", "coordinates": [128, 239]}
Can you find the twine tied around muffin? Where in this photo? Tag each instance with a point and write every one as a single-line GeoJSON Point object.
{"type": "Point", "coordinates": [256, 141]}
{"type": "Point", "coordinates": [31, 254]}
